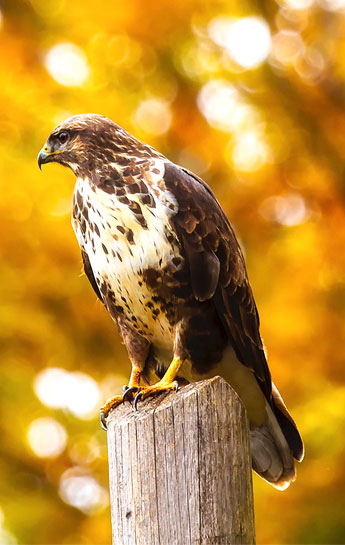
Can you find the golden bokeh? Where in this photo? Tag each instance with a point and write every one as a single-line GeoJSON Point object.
{"type": "Point", "coordinates": [251, 96]}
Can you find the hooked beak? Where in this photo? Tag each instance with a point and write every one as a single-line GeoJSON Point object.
{"type": "Point", "coordinates": [45, 156]}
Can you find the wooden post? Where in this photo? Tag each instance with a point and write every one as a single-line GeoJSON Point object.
{"type": "Point", "coordinates": [180, 469]}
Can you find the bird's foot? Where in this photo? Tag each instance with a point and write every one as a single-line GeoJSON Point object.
{"type": "Point", "coordinates": [128, 392]}
{"type": "Point", "coordinates": [114, 402]}
{"type": "Point", "coordinates": [156, 389]}
{"type": "Point", "coordinates": [128, 395]}
{"type": "Point", "coordinates": [105, 410]}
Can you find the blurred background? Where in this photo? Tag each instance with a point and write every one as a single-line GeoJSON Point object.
{"type": "Point", "coordinates": [249, 95]}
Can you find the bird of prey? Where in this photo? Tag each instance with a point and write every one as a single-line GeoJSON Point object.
{"type": "Point", "coordinates": [164, 260]}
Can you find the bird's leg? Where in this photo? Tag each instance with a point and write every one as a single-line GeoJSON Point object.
{"type": "Point", "coordinates": [116, 400]}
{"type": "Point", "coordinates": [167, 383]}
{"type": "Point", "coordinates": [138, 349]}
{"type": "Point", "coordinates": [133, 384]}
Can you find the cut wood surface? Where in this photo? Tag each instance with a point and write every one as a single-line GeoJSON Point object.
{"type": "Point", "coordinates": [180, 469]}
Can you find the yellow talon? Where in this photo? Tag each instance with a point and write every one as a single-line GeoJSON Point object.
{"type": "Point", "coordinates": [114, 401]}
{"type": "Point", "coordinates": [166, 384]}
{"type": "Point", "coordinates": [108, 405]}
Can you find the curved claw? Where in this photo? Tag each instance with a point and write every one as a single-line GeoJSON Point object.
{"type": "Point", "coordinates": [103, 418]}
{"type": "Point", "coordinates": [128, 391]}
{"type": "Point", "coordinates": [177, 387]}
{"type": "Point", "coordinates": [137, 398]}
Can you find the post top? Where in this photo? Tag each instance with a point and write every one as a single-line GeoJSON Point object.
{"type": "Point", "coordinates": [125, 412]}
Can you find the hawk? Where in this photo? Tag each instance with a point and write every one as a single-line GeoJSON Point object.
{"type": "Point", "coordinates": [164, 260]}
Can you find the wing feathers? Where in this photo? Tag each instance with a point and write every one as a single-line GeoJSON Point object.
{"type": "Point", "coordinates": [217, 266]}
{"type": "Point", "coordinates": [218, 271]}
{"type": "Point", "coordinates": [204, 285]}
{"type": "Point", "coordinates": [89, 273]}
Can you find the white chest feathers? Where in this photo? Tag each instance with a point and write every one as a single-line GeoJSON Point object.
{"type": "Point", "coordinates": [123, 238]}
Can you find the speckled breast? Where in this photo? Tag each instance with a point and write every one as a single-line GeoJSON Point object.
{"type": "Point", "coordinates": [134, 254]}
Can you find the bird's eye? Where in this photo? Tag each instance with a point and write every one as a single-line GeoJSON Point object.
{"type": "Point", "coordinates": [63, 137]}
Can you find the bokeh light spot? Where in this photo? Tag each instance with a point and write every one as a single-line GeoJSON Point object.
{"type": "Point", "coordinates": [332, 5]}
{"type": "Point", "coordinates": [154, 116]}
{"type": "Point", "coordinates": [311, 65]}
{"type": "Point", "coordinates": [247, 40]}
{"type": "Point", "coordinates": [217, 101]}
{"type": "Point", "coordinates": [225, 108]}
{"type": "Point", "coordinates": [296, 4]}
{"type": "Point", "coordinates": [287, 45]}
{"type": "Point", "coordinates": [288, 210]}
{"type": "Point", "coordinates": [47, 437]}
{"type": "Point", "coordinates": [82, 491]}
{"type": "Point", "coordinates": [76, 392]}
{"type": "Point", "coordinates": [250, 151]}
{"type": "Point", "coordinates": [6, 538]}
{"type": "Point", "coordinates": [67, 64]}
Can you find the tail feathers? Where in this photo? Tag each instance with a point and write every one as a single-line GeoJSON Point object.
{"type": "Point", "coordinates": [287, 425]}
{"type": "Point", "coordinates": [272, 458]}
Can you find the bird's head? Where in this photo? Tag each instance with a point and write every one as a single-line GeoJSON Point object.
{"type": "Point", "coordinates": [84, 142]}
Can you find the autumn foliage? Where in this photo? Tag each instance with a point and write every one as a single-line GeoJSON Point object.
{"type": "Point", "coordinates": [249, 95]}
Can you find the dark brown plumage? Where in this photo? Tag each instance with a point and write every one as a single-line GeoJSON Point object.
{"type": "Point", "coordinates": [163, 258]}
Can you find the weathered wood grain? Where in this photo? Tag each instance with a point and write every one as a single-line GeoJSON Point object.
{"type": "Point", "coordinates": [180, 469]}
